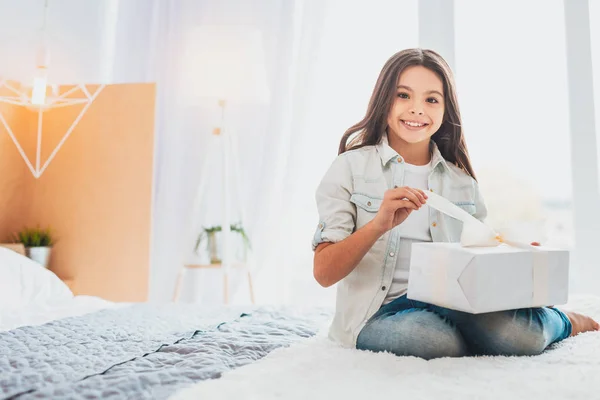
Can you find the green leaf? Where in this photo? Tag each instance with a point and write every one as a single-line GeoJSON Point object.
{"type": "Point", "coordinates": [35, 237]}
{"type": "Point", "coordinates": [217, 228]}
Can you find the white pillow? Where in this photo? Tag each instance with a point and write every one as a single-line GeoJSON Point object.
{"type": "Point", "coordinates": [24, 282]}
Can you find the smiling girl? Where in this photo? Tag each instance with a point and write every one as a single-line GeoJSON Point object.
{"type": "Point", "coordinates": [370, 205]}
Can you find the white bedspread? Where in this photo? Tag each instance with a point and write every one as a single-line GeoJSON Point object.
{"type": "Point", "coordinates": [319, 369]}
{"type": "Point", "coordinates": [37, 314]}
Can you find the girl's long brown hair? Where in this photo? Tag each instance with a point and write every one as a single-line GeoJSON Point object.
{"type": "Point", "coordinates": [449, 138]}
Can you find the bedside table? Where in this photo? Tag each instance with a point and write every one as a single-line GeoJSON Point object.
{"type": "Point", "coordinates": [18, 247]}
{"type": "Point", "coordinates": [236, 265]}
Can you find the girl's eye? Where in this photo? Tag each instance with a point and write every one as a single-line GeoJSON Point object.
{"type": "Point", "coordinates": [432, 100]}
{"type": "Point", "coordinates": [403, 95]}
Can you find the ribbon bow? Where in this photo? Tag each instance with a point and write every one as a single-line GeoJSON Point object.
{"type": "Point", "coordinates": [475, 233]}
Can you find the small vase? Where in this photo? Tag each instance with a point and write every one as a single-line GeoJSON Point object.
{"type": "Point", "coordinates": [40, 255]}
{"type": "Point", "coordinates": [213, 247]}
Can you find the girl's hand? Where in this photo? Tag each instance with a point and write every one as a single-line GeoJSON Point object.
{"type": "Point", "coordinates": [397, 205]}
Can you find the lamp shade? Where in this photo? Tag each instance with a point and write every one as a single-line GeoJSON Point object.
{"type": "Point", "coordinates": [225, 62]}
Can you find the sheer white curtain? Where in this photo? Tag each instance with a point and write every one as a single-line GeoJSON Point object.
{"type": "Point", "coordinates": [183, 133]}
{"type": "Point", "coordinates": [322, 60]}
{"type": "Point", "coordinates": [80, 40]}
{"type": "Point", "coordinates": [325, 58]}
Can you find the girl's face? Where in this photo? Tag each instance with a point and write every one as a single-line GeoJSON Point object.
{"type": "Point", "coordinates": [418, 109]}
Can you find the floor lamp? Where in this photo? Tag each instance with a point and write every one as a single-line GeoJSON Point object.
{"type": "Point", "coordinates": [225, 65]}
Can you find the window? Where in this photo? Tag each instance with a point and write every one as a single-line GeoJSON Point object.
{"type": "Point", "coordinates": [595, 33]}
{"type": "Point", "coordinates": [512, 88]}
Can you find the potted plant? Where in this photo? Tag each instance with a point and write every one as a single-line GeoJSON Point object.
{"type": "Point", "coordinates": [38, 244]}
{"type": "Point", "coordinates": [212, 245]}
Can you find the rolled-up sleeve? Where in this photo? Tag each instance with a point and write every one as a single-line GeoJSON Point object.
{"type": "Point", "coordinates": [337, 215]}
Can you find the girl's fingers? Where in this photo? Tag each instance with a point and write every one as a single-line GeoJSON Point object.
{"type": "Point", "coordinates": [419, 193]}
{"type": "Point", "coordinates": [535, 244]}
{"type": "Point", "coordinates": [404, 192]}
{"type": "Point", "coordinates": [404, 204]}
{"type": "Point", "coordinates": [412, 196]}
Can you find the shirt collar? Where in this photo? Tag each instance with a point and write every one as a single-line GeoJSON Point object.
{"type": "Point", "coordinates": [437, 158]}
{"type": "Point", "coordinates": [386, 153]}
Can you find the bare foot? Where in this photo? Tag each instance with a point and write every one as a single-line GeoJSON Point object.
{"type": "Point", "coordinates": [581, 323]}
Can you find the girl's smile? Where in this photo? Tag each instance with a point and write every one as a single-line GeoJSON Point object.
{"type": "Point", "coordinates": [413, 125]}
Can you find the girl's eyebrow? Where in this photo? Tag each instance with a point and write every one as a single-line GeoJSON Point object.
{"type": "Point", "coordinates": [428, 92]}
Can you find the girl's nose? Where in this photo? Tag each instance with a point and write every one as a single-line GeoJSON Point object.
{"type": "Point", "coordinates": [413, 111]}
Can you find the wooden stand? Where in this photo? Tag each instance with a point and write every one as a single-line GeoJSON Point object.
{"type": "Point", "coordinates": [184, 269]}
{"type": "Point", "coordinates": [17, 247]}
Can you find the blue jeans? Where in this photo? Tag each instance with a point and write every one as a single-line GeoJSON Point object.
{"type": "Point", "coordinates": [413, 328]}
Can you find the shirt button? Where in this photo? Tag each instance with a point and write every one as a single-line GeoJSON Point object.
{"type": "Point", "coordinates": [383, 288]}
{"type": "Point", "coordinates": [399, 159]}
{"type": "Point", "coordinates": [320, 226]}
{"type": "Point", "coordinates": [392, 254]}
{"type": "Point", "coordinates": [431, 190]}
{"type": "Point", "coordinates": [369, 203]}
{"type": "Point", "coordinates": [434, 224]}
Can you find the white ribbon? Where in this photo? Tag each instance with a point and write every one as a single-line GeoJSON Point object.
{"type": "Point", "coordinates": [477, 234]}
{"type": "Point", "coordinates": [541, 280]}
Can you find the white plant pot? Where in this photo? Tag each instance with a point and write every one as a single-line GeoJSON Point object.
{"type": "Point", "coordinates": [40, 255]}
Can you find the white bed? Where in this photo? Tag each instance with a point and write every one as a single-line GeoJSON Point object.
{"type": "Point", "coordinates": [32, 295]}
{"type": "Point", "coordinates": [316, 369]}
{"type": "Point", "coordinates": [141, 351]}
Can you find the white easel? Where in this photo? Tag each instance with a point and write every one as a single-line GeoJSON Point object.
{"type": "Point", "coordinates": [227, 63]}
{"type": "Point", "coordinates": [226, 147]}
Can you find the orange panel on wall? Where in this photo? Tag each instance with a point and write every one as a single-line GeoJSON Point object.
{"type": "Point", "coordinates": [96, 194]}
{"type": "Point", "coordinates": [13, 171]}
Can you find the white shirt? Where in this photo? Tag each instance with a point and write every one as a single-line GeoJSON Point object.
{"type": "Point", "coordinates": [350, 195]}
{"type": "Point", "coordinates": [414, 229]}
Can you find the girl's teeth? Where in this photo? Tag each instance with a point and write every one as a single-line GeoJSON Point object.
{"type": "Point", "coordinates": [413, 124]}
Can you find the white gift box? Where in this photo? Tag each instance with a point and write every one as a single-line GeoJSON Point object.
{"type": "Point", "coordinates": [486, 279]}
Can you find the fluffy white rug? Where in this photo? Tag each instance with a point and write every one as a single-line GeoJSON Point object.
{"type": "Point", "coordinates": [319, 369]}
